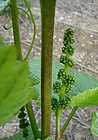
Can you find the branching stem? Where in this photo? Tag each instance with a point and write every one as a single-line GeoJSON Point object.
{"type": "Point", "coordinates": [58, 118]}
{"type": "Point", "coordinates": [68, 120]}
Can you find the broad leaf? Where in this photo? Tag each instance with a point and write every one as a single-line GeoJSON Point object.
{"type": "Point", "coordinates": [87, 98]}
{"type": "Point", "coordinates": [15, 88]}
{"type": "Point", "coordinates": [35, 68]}
{"type": "Point", "coordinates": [83, 81]}
{"type": "Point", "coordinates": [19, 136]}
{"type": "Point", "coordinates": [94, 127]}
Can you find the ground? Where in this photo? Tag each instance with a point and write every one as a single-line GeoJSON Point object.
{"type": "Point", "coordinates": [82, 16]}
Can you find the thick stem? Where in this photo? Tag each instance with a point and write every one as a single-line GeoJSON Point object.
{"type": "Point", "coordinates": [47, 27]}
{"type": "Point", "coordinates": [14, 12]}
{"type": "Point", "coordinates": [32, 121]}
{"type": "Point", "coordinates": [68, 120]}
{"type": "Point", "coordinates": [58, 118]}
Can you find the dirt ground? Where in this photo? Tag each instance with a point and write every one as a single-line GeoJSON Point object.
{"type": "Point", "coordinates": [82, 16]}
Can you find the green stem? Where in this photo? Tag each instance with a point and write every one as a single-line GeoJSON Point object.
{"type": "Point", "coordinates": [68, 120]}
{"type": "Point", "coordinates": [32, 18]}
{"type": "Point", "coordinates": [47, 28]}
{"type": "Point", "coordinates": [32, 120]}
{"type": "Point", "coordinates": [58, 118]}
{"type": "Point", "coordinates": [14, 12]}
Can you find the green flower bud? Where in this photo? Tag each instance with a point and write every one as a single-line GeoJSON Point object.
{"type": "Point", "coordinates": [54, 104]}
{"type": "Point", "coordinates": [66, 61]}
{"type": "Point", "coordinates": [21, 115]}
{"type": "Point", "coordinates": [60, 74]}
{"type": "Point", "coordinates": [56, 87]}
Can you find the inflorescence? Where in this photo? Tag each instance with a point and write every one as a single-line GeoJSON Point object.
{"type": "Point", "coordinates": [23, 123]}
{"type": "Point", "coordinates": [65, 81]}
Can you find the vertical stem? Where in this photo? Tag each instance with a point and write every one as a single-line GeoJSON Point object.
{"type": "Point", "coordinates": [47, 27]}
{"type": "Point", "coordinates": [58, 118]}
{"type": "Point", "coordinates": [32, 120]}
{"type": "Point", "coordinates": [14, 12]}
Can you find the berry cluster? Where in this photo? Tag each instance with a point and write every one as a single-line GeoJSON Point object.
{"type": "Point", "coordinates": [65, 102]}
{"type": "Point", "coordinates": [55, 104]}
{"type": "Point", "coordinates": [57, 87]}
{"type": "Point", "coordinates": [63, 87]}
{"type": "Point", "coordinates": [23, 123]}
{"type": "Point", "coordinates": [69, 80]}
{"type": "Point", "coordinates": [68, 41]}
{"type": "Point", "coordinates": [60, 104]}
{"type": "Point", "coordinates": [66, 61]}
{"type": "Point", "coordinates": [69, 49]}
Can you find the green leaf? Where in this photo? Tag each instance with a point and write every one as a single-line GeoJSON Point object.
{"type": "Point", "coordinates": [35, 68]}
{"type": "Point", "coordinates": [87, 98]}
{"type": "Point", "coordinates": [35, 71]}
{"type": "Point", "coordinates": [19, 136]}
{"type": "Point", "coordinates": [83, 81]}
{"type": "Point", "coordinates": [3, 4]}
{"type": "Point", "coordinates": [94, 127]}
{"type": "Point", "coordinates": [15, 89]}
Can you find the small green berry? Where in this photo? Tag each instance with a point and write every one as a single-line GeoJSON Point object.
{"type": "Point", "coordinates": [57, 87]}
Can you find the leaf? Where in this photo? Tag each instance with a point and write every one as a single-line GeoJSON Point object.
{"type": "Point", "coordinates": [19, 136]}
{"type": "Point", "coordinates": [35, 80]}
{"type": "Point", "coordinates": [87, 98]}
{"type": "Point", "coordinates": [83, 81]}
{"type": "Point", "coordinates": [15, 89]}
{"type": "Point", "coordinates": [3, 4]}
{"type": "Point", "coordinates": [35, 70]}
{"type": "Point", "coordinates": [94, 127]}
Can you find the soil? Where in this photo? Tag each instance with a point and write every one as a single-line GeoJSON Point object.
{"type": "Point", "coordinates": [82, 16]}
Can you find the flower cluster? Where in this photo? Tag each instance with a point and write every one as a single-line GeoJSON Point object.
{"type": "Point", "coordinates": [23, 123]}
{"type": "Point", "coordinates": [66, 61]}
{"type": "Point", "coordinates": [57, 87]}
{"type": "Point", "coordinates": [60, 104]}
{"type": "Point", "coordinates": [65, 81]}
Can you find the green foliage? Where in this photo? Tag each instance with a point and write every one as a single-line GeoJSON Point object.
{"type": "Point", "coordinates": [15, 87]}
{"type": "Point", "coordinates": [94, 127]}
{"type": "Point", "coordinates": [87, 98]}
{"type": "Point", "coordinates": [19, 136]}
{"type": "Point", "coordinates": [3, 5]}
{"type": "Point", "coordinates": [83, 80]}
